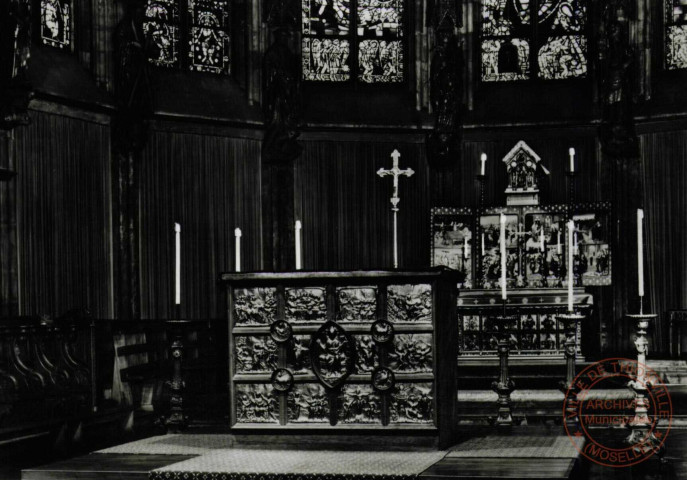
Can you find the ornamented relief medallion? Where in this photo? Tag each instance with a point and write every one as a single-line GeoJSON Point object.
{"type": "Point", "coordinates": [255, 306]}
{"type": "Point", "coordinates": [367, 358]}
{"type": "Point", "coordinates": [298, 354]}
{"type": "Point", "coordinates": [382, 331]}
{"type": "Point", "coordinates": [356, 304]}
{"type": "Point", "coordinates": [360, 404]}
{"type": "Point", "coordinates": [306, 304]}
{"type": "Point", "coordinates": [255, 354]}
{"type": "Point", "coordinates": [282, 380]}
{"type": "Point", "coordinates": [308, 403]}
{"type": "Point", "coordinates": [410, 303]}
{"type": "Point", "coordinates": [383, 379]}
{"type": "Point", "coordinates": [412, 403]}
{"type": "Point", "coordinates": [332, 353]}
{"type": "Point", "coordinates": [281, 331]}
{"type": "Point", "coordinates": [255, 403]}
{"type": "Point", "coordinates": [411, 353]}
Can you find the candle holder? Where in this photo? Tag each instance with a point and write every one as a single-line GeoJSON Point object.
{"type": "Point", "coordinates": [568, 387]}
{"type": "Point", "coordinates": [641, 436]}
{"type": "Point", "coordinates": [177, 420]}
{"type": "Point", "coordinates": [572, 176]}
{"type": "Point", "coordinates": [504, 386]}
{"type": "Point", "coordinates": [482, 180]}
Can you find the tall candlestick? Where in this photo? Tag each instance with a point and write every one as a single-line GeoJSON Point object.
{"type": "Point", "coordinates": [640, 251]}
{"type": "Point", "coordinates": [504, 293]}
{"type": "Point", "coordinates": [299, 260]}
{"type": "Point", "coordinates": [571, 227]}
{"type": "Point", "coordinates": [177, 264]}
{"type": "Point", "coordinates": [237, 234]}
{"type": "Point", "coordinates": [576, 248]}
{"type": "Point", "coordinates": [571, 151]}
{"type": "Point", "coordinates": [483, 160]}
{"type": "Point", "coordinates": [541, 238]}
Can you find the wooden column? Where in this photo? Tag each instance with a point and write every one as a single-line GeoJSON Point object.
{"type": "Point", "coordinates": [9, 281]}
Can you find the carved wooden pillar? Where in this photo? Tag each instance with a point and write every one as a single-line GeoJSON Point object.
{"type": "Point", "coordinates": [280, 147]}
{"type": "Point", "coordinates": [129, 135]}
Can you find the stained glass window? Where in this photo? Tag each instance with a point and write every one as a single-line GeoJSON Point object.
{"type": "Point", "coordinates": [353, 39]}
{"type": "Point", "coordinates": [56, 27]}
{"type": "Point", "coordinates": [209, 46]}
{"type": "Point", "coordinates": [511, 30]}
{"type": "Point", "coordinates": [676, 34]}
{"type": "Point", "coordinates": [162, 29]}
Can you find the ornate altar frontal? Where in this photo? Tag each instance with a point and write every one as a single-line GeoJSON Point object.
{"type": "Point", "coordinates": [343, 351]}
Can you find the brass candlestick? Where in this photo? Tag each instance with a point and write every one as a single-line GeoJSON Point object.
{"type": "Point", "coordinates": [568, 387]}
{"type": "Point", "coordinates": [504, 386]}
{"type": "Point", "coordinates": [641, 435]}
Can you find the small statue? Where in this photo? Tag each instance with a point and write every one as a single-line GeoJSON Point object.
{"type": "Point", "coordinates": [617, 132]}
{"type": "Point", "coordinates": [443, 144]}
{"type": "Point", "coordinates": [15, 51]}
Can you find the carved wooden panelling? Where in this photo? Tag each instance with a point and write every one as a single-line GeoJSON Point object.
{"type": "Point", "coordinates": [356, 304]}
{"type": "Point", "coordinates": [255, 354]}
{"type": "Point", "coordinates": [298, 355]}
{"type": "Point", "coordinates": [410, 303]}
{"type": "Point", "coordinates": [255, 306]}
{"type": "Point", "coordinates": [412, 403]}
{"type": "Point", "coordinates": [308, 403]}
{"type": "Point", "coordinates": [411, 353]}
{"type": "Point", "coordinates": [367, 355]}
{"type": "Point", "coordinates": [256, 403]}
{"type": "Point", "coordinates": [360, 404]}
{"type": "Point", "coordinates": [306, 304]}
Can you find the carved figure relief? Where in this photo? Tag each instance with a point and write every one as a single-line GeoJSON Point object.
{"type": "Point", "coordinates": [383, 379]}
{"type": "Point", "coordinates": [367, 358]}
{"type": "Point", "coordinates": [255, 306]}
{"type": "Point", "coordinates": [298, 354]}
{"type": "Point", "coordinates": [412, 403]}
{"type": "Point", "coordinates": [308, 403]}
{"type": "Point", "coordinates": [281, 331]}
{"type": "Point", "coordinates": [382, 331]}
{"type": "Point", "coordinates": [255, 354]}
{"type": "Point", "coordinates": [360, 404]}
{"type": "Point", "coordinates": [256, 403]}
{"type": "Point", "coordinates": [282, 380]}
{"type": "Point", "coordinates": [306, 304]}
{"type": "Point", "coordinates": [332, 353]}
{"type": "Point", "coordinates": [356, 304]}
{"type": "Point", "coordinates": [411, 353]}
{"type": "Point", "coordinates": [409, 303]}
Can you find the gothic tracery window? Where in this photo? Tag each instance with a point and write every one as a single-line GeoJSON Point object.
{"type": "Point", "coordinates": [676, 34]}
{"type": "Point", "coordinates": [346, 40]}
{"type": "Point", "coordinates": [56, 27]}
{"type": "Point", "coordinates": [524, 39]}
{"type": "Point", "coordinates": [204, 46]}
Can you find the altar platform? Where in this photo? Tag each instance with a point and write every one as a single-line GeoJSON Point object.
{"type": "Point", "coordinates": [490, 454]}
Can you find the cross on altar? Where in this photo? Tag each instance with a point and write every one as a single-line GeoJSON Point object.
{"type": "Point", "coordinates": [396, 172]}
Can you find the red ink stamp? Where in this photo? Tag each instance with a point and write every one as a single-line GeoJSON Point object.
{"type": "Point", "coordinates": [639, 415]}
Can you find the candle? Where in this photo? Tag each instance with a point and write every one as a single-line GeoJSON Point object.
{"type": "Point", "coordinates": [576, 249]}
{"type": "Point", "coordinates": [299, 263]}
{"type": "Point", "coordinates": [571, 151]}
{"type": "Point", "coordinates": [504, 294]}
{"type": "Point", "coordinates": [571, 228]}
{"type": "Point", "coordinates": [177, 264]}
{"type": "Point", "coordinates": [237, 234]}
{"type": "Point", "coordinates": [483, 160]}
{"type": "Point", "coordinates": [558, 244]}
{"type": "Point", "coordinates": [465, 246]}
{"type": "Point", "coordinates": [482, 244]}
{"type": "Point", "coordinates": [541, 238]}
{"type": "Point", "coordinates": [640, 251]}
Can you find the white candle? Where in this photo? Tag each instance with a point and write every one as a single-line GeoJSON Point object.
{"type": "Point", "coordinates": [483, 160]}
{"type": "Point", "coordinates": [177, 264]}
{"type": "Point", "coordinates": [541, 238]}
{"type": "Point", "coordinates": [571, 227]}
{"type": "Point", "coordinates": [640, 251]}
{"type": "Point", "coordinates": [482, 244]}
{"type": "Point", "coordinates": [558, 244]}
{"type": "Point", "coordinates": [299, 260]}
{"type": "Point", "coordinates": [571, 151]}
{"type": "Point", "coordinates": [237, 234]}
{"type": "Point", "coordinates": [465, 247]}
{"type": "Point", "coordinates": [576, 248]}
{"type": "Point", "coordinates": [504, 293]}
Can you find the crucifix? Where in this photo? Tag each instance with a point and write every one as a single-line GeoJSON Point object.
{"type": "Point", "coordinates": [396, 172]}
